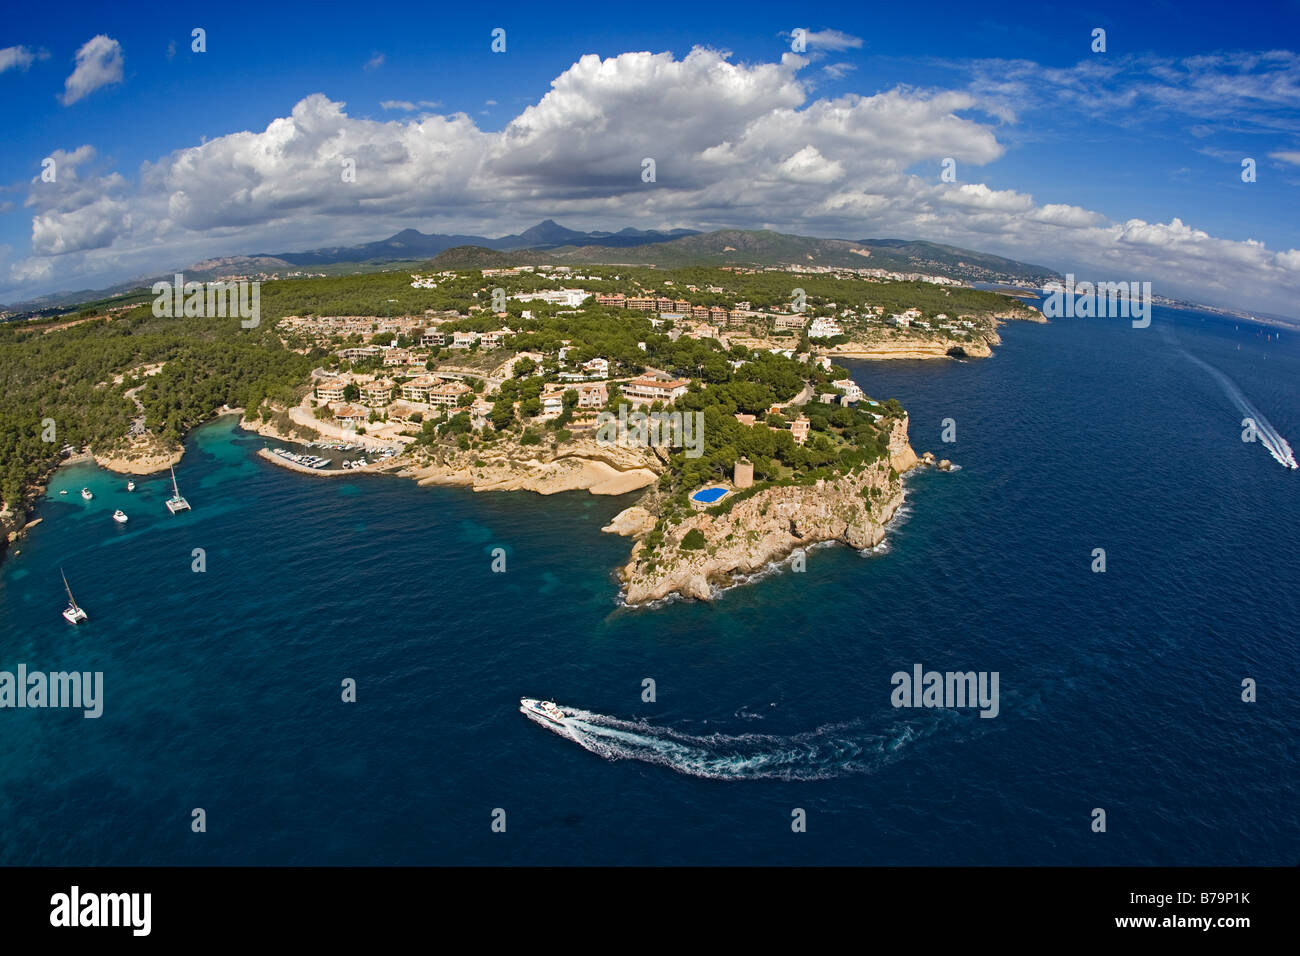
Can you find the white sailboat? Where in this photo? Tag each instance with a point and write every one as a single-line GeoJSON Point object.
{"type": "Point", "coordinates": [176, 503]}
{"type": "Point", "coordinates": [72, 613]}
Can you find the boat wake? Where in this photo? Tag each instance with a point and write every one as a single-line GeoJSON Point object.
{"type": "Point", "coordinates": [1269, 436]}
{"type": "Point", "coordinates": [835, 750]}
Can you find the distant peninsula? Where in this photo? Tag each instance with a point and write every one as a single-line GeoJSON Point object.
{"type": "Point", "coordinates": [543, 378]}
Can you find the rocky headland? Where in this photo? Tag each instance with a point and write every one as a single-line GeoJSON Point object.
{"type": "Point", "coordinates": [766, 527]}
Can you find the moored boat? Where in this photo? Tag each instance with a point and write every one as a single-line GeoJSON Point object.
{"type": "Point", "coordinates": [72, 613]}
{"type": "Point", "coordinates": [176, 503]}
{"type": "Point", "coordinates": [120, 516]}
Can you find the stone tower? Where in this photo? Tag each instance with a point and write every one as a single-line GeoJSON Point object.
{"type": "Point", "coordinates": [744, 473]}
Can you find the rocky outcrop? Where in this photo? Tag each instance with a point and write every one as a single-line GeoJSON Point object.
{"type": "Point", "coordinates": [280, 427]}
{"type": "Point", "coordinates": [142, 456]}
{"type": "Point", "coordinates": [1023, 313]}
{"type": "Point", "coordinates": [631, 522]}
{"type": "Point", "coordinates": [13, 518]}
{"type": "Point", "coordinates": [901, 456]}
{"type": "Point", "coordinates": [853, 509]}
{"type": "Point", "coordinates": [579, 465]}
{"type": "Point", "coordinates": [14, 525]}
{"type": "Point", "coordinates": [912, 349]}
{"type": "Point", "coordinates": [900, 344]}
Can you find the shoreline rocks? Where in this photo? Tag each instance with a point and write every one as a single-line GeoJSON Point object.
{"type": "Point", "coordinates": [139, 463]}
{"type": "Point", "coordinates": [633, 522]}
{"type": "Point", "coordinates": [767, 527]}
{"type": "Point", "coordinates": [892, 351]}
{"type": "Point", "coordinates": [582, 465]}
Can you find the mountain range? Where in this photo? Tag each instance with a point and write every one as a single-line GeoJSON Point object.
{"type": "Point", "coordinates": [413, 244]}
{"type": "Point", "coordinates": [548, 241]}
{"type": "Point", "coordinates": [763, 247]}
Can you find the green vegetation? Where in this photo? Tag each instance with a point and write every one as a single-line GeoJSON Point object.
{"type": "Point", "coordinates": [693, 540]}
{"type": "Point", "coordinates": [762, 247]}
{"type": "Point", "coordinates": [76, 368]}
{"type": "Point", "coordinates": [68, 375]}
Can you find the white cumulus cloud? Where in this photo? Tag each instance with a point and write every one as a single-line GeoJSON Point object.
{"type": "Point", "coordinates": [99, 63]}
{"type": "Point", "coordinates": [833, 40]}
{"type": "Point", "coordinates": [735, 145]}
{"type": "Point", "coordinates": [19, 57]}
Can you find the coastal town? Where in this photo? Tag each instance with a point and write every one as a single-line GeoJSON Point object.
{"type": "Point", "coordinates": [388, 376]}
{"type": "Point", "coordinates": [516, 378]}
{"type": "Point", "coordinates": [541, 377]}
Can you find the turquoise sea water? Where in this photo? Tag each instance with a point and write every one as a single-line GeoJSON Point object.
{"type": "Point", "coordinates": [1119, 691]}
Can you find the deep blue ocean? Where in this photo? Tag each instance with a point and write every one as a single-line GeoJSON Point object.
{"type": "Point", "coordinates": [1118, 690]}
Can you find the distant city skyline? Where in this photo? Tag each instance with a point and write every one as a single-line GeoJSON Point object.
{"type": "Point", "coordinates": [302, 127]}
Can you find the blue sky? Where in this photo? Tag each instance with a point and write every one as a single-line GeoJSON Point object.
{"type": "Point", "coordinates": [1096, 162]}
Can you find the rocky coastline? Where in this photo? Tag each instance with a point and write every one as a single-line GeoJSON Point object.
{"type": "Point", "coordinates": [767, 527]}
{"type": "Point", "coordinates": [907, 346]}
{"type": "Point", "coordinates": [578, 465]}
{"type": "Point", "coordinates": [764, 528]}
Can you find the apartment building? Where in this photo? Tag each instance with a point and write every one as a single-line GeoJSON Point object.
{"type": "Point", "coordinates": [648, 390]}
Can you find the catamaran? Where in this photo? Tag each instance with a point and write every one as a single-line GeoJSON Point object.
{"type": "Point", "coordinates": [176, 503]}
{"type": "Point", "coordinates": [72, 614]}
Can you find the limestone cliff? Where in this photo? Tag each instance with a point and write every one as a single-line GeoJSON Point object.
{"type": "Point", "coordinates": [912, 348]}
{"type": "Point", "coordinates": [910, 344]}
{"type": "Point", "coordinates": [581, 464]}
{"type": "Point", "coordinates": [768, 526]}
{"type": "Point", "coordinates": [12, 520]}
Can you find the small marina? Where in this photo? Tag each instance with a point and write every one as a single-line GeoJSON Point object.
{"type": "Point", "coordinates": [307, 461]}
{"type": "Point", "coordinates": [343, 457]}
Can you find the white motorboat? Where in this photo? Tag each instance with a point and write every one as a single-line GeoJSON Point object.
{"type": "Point", "coordinates": [546, 709]}
{"type": "Point", "coordinates": [130, 486]}
{"type": "Point", "coordinates": [120, 516]}
{"type": "Point", "coordinates": [87, 493]}
{"type": "Point", "coordinates": [72, 613]}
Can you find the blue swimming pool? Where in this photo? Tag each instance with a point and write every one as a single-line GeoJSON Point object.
{"type": "Point", "coordinates": [708, 495]}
